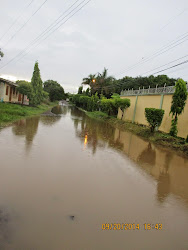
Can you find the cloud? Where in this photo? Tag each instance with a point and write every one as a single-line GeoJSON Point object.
{"type": "Point", "coordinates": [114, 35]}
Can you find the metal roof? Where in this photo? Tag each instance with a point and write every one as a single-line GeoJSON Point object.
{"type": "Point", "coordinates": [8, 82]}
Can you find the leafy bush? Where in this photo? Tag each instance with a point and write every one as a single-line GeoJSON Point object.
{"type": "Point", "coordinates": [187, 139]}
{"type": "Point", "coordinates": [107, 106]}
{"type": "Point", "coordinates": [111, 106]}
{"type": "Point", "coordinates": [122, 104]}
{"type": "Point", "coordinates": [154, 117]}
{"type": "Point", "coordinates": [178, 103]}
{"type": "Point", "coordinates": [83, 101]}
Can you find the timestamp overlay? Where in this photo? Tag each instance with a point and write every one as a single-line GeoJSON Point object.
{"type": "Point", "coordinates": [131, 226]}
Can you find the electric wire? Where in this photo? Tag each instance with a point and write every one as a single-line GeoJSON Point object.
{"type": "Point", "coordinates": [16, 33]}
{"type": "Point", "coordinates": [155, 54]}
{"type": "Point", "coordinates": [15, 21]}
{"type": "Point", "coordinates": [47, 30]}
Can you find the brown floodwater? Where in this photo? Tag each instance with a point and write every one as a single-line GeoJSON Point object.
{"type": "Point", "coordinates": [71, 182]}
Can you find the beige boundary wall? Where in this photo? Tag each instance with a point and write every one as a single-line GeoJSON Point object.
{"type": "Point", "coordinates": [136, 112]}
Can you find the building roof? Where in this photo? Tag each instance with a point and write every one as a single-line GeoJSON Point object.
{"type": "Point", "coordinates": [8, 82]}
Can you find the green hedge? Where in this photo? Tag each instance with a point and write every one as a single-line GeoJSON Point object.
{"type": "Point", "coordinates": [93, 103]}
{"type": "Point", "coordinates": [154, 117]}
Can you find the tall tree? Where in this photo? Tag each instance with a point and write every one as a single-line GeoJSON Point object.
{"type": "Point", "coordinates": [36, 83]}
{"type": "Point", "coordinates": [100, 83]}
{"type": "Point", "coordinates": [55, 90]}
{"type": "Point", "coordinates": [178, 103]}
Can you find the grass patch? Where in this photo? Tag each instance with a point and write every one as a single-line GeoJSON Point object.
{"type": "Point", "coordinates": [12, 112]}
{"type": "Point", "coordinates": [98, 115]}
{"type": "Point", "coordinates": [160, 138]}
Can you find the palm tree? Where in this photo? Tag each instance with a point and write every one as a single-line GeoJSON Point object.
{"type": "Point", "coordinates": [89, 80]}
{"type": "Point", "coordinates": [100, 83]}
{"type": "Point", "coordinates": [104, 83]}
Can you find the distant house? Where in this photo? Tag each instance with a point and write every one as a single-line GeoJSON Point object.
{"type": "Point", "coordinates": [8, 93]}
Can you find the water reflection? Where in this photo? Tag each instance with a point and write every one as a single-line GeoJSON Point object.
{"type": "Point", "coordinates": [168, 168]}
{"type": "Point", "coordinates": [147, 156]}
{"type": "Point", "coordinates": [27, 128]}
{"type": "Point", "coordinates": [49, 120]}
{"type": "Point", "coordinates": [96, 133]}
{"type": "Point", "coordinates": [60, 110]}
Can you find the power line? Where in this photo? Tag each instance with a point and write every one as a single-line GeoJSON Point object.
{"type": "Point", "coordinates": [26, 22]}
{"type": "Point", "coordinates": [155, 55]}
{"type": "Point", "coordinates": [172, 19]}
{"type": "Point", "coordinates": [47, 30]}
{"type": "Point", "coordinates": [171, 67]}
{"type": "Point", "coordinates": [15, 21]}
{"type": "Point", "coordinates": [164, 65]}
{"type": "Point", "coordinates": [59, 25]}
{"type": "Point", "coordinates": [158, 52]}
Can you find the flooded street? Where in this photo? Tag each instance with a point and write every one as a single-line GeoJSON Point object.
{"type": "Point", "coordinates": [62, 177]}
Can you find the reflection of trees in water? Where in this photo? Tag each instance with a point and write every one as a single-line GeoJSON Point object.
{"type": "Point", "coordinates": [148, 156]}
{"type": "Point", "coordinates": [27, 128]}
{"type": "Point", "coordinates": [61, 109]}
{"type": "Point", "coordinates": [95, 133]}
{"type": "Point", "coordinates": [49, 120]}
{"type": "Point", "coordinates": [163, 184]}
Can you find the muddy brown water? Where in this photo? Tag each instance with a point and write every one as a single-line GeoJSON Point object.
{"type": "Point", "coordinates": [67, 180]}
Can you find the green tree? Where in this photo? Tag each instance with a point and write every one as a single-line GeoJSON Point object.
{"type": "Point", "coordinates": [154, 117]}
{"type": "Point", "coordinates": [100, 83]}
{"type": "Point", "coordinates": [25, 88]}
{"type": "Point", "coordinates": [37, 89]}
{"type": "Point", "coordinates": [1, 54]}
{"type": "Point", "coordinates": [178, 103]}
{"type": "Point", "coordinates": [122, 104]}
{"type": "Point", "coordinates": [88, 92]}
{"type": "Point", "coordinates": [80, 89]}
{"type": "Point", "coordinates": [55, 90]}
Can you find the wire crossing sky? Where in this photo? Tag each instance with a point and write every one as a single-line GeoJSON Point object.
{"type": "Point", "coordinates": [128, 38]}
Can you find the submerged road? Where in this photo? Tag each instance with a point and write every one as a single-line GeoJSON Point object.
{"type": "Point", "coordinates": [71, 182]}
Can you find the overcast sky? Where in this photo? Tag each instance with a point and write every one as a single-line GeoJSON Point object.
{"type": "Point", "coordinates": [112, 34]}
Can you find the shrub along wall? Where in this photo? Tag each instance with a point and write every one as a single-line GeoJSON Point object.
{"type": "Point", "coordinates": [136, 112]}
{"type": "Point", "coordinates": [93, 103]}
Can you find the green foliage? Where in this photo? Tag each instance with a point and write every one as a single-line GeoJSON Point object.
{"type": "Point", "coordinates": [1, 54]}
{"type": "Point", "coordinates": [111, 106]}
{"type": "Point", "coordinates": [45, 97]}
{"type": "Point", "coordinates": [12, 112]}
{"type": "Point", "coordinates": [107, 106]}
{"type": "Point", "coordinates": [140, 82]}
{"type": "Point", "coordinates": [88, 92]}
{"type": "Point", "coordinates": [186, 139]}
{"type": "Point", "coordinates": [80, 89]}
{"type": "Point", "coordinates": [122, 103]}
{"type": "Point", "coordinates": [106, 85]}
{"type": "Point", "coordinates": [178, 103]}
{"type": "Point", "coordinates": [24, 88]}
{"type": "Point", "coordinates": [99, 83]}
{"type": "Point", "coordinates": [55, 90]}
{"type": "Point", "coordinates": [83, 101]}
{"type": "Point", "coordinates": [115, 95]}
{"type": "Point", "coordinates": [154, 117]}
{"type": "Point", "coordinates": [37, 89]}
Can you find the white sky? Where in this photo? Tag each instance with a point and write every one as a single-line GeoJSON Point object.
{"type": "Point", "coordinates": [112, 34]}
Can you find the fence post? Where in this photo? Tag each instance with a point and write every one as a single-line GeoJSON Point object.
{"type": "Point", "coordinates": [134, 114]}
{"type": "Point", "coordinates": [161, 102]}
